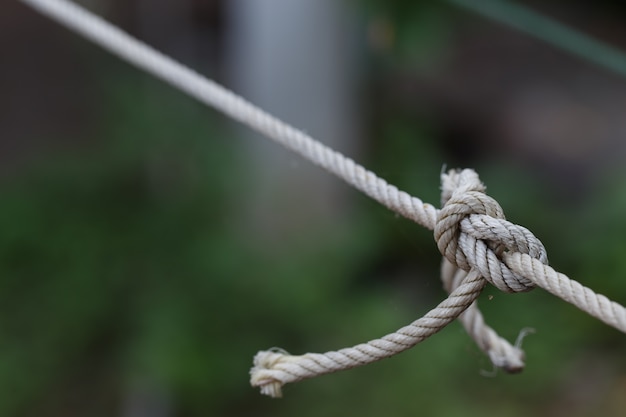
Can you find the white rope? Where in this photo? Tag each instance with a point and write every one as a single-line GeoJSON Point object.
{"type": "Point", "coordinates": [567, 289]}
{"type": "Point", "coordinates": [272, 369]}
{"type": "Point", "coordinates": [477, 243]}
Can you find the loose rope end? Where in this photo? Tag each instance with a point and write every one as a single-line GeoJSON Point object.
{"type": "Point", "coordinates": [261, 374]}
{"type": "Point", "coordinates": [522, 335]}
{"type": "Point", "coordinates": [272, 389]}
{"type": "Point", "coordinates": [511, 363]}
{"type": "Point", "coordinates": [511, 360]}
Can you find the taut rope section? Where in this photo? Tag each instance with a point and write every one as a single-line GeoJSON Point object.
{"type": "Point", "coordinates": [567, 289]}
{"type": "Point", "coordinates": [477, 243]}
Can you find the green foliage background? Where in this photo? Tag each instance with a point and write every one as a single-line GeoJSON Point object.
{"type": "Point", "coordinates": [128, 266]}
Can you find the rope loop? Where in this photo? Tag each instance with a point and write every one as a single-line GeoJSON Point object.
{"type": "Point", "coordinates": [472, 233]}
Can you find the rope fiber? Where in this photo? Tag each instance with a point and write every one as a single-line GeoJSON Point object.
{"type": "Point", "coordinates": [478, 244]}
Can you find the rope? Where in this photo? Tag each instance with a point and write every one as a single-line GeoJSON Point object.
{"type": "Point", "coordinates": [597, 305]}
{"type": "Point", "coordinates": [478, 244]}
{"type": "Point", "coordinates": [273, 369]}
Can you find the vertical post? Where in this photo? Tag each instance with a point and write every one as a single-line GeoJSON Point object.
{"type": "Point", "coordinates": [293, 58]}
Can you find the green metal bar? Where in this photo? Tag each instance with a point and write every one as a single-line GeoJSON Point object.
{"type": "Point", "coordinates": [550, 31]}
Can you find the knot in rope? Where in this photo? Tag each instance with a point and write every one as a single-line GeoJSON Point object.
{"type": "Point", "coordinates": [472, 233]}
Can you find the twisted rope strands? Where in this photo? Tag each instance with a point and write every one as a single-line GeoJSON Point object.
{"type": "Point", "coordinates": [594, 304]}
{"type": "Point", "coordinates": [273, 369]}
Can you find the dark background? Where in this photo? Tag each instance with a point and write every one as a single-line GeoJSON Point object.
{"type": "Point", "coordinates": [149, 247]}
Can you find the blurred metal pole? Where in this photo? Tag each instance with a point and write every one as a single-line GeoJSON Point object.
{"type": "Point", "coordinates": [295, 59]}
{"type": "Point", "coordinates": [550, 31]}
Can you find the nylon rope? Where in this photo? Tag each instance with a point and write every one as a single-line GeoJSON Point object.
{"type": "Point", "coordinates": [478, 244]}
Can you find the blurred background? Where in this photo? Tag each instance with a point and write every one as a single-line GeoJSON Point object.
{"type": "Point", "coordinates": [149, 246]}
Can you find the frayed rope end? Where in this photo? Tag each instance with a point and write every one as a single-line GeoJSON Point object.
{"type": "Point", "coordinates": [512, 360]}
{"type": "Point", "coordinates": [262, 373]}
